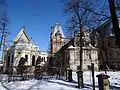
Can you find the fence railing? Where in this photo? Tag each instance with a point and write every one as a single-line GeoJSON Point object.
{"type": "Point", "coordinates": [21, 77]}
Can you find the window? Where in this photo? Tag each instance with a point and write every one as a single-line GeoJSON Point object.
{"type": "Point", "coordinates": [38, 60]}
{"type": "Point", "coordinates": [19, 52]}
{"type": "Point", "coordinates": [47, 59]}
{"type": "Point", "coordinates": [89, 67]}
{"type": "Point", "coordinates": [26, 58]}
{"type": "Point", "coordinates": [12, 58]}
{"type": "Point", "coordinates": [89, 56]}
{"type": "Point", "coordinates": [33, 60]}
{"type": "Point", "coordinates": [8, 62]}
{"type": "Point", "coordinates": [42, 59]}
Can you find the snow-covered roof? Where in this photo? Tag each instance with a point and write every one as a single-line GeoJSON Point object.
{"type": "Point", "coordinates": [71, 47]}
{"type": "Point", "coordinates": [44, 52]}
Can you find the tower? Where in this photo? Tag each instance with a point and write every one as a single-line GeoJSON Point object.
{"type": "Point", "coordinates": [56, 38]}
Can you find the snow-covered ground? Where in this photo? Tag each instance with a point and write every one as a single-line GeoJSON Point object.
{"type": "Point", "coordinates": [57, 84]}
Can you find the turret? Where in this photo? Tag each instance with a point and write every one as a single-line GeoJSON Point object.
{"type": "Point", "coordinates": [56, 37]}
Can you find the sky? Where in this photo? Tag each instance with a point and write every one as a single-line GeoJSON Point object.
{"type": "Point", "coordinates": [37, 16]}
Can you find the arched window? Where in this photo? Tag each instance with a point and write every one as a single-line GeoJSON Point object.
{"type": "Point", "coordinates": [47, 59]}
{"type": "Point", "coordinates": [12, 58]}
{"type": "Point", "coordinates": [26, 58]}
{"type": "Point", "coordinates": [22, 61]}
{"type": "Point", "coordinates": [33, 60]}
{"type": "Point", "coordinates": [38, 60]}
{"type": "Point", "coordinates": [8, 62]}
{"type": "Point", "coordinates": [44, 59]}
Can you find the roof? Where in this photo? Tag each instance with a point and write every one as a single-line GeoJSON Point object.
{"type": "Point", "coordinates": [106, 28]}
{"type": "Point", "coordinates": [71, 42]}
{"type": "Point", "coordinates": [106, 22]}
{"type": "Point", "coordinates": [22, 32]}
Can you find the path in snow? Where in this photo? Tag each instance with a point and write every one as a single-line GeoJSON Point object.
{"type": "Point", "coordinates": [57, 84]}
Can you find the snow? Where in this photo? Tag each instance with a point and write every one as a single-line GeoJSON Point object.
{"type": "Point", "coordinates": [59, 84]}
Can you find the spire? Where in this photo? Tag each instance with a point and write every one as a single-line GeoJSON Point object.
{"type": "Point", "coordinates": [23, 28]}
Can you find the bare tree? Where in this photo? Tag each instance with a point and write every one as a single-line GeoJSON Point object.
{"type": "Point", "coordinates": [85, 14]}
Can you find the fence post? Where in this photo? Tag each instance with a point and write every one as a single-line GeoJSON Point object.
{"type": "Point", "coordinates": [80, 79]}
{"type": "Point", "coordinates": [103, 81]}
{"type": "Point", "coordinates": [69, 74]}
{"type": "Point", "coordinates": [93, 78]}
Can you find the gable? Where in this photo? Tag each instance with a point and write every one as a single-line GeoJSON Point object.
{"type": "Point", "coordinates": [21, 37]}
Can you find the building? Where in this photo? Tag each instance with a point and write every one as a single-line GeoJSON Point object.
{"type": "Point", "coordinates": [89, 53]}
{"type": "Point", "coordinates": [68, 56]}
{"type": "Point", "coordinates": [23, 47]}
{"type": "Point", "coordinates": [109, 52]}
{"type": "Point", "coordinates": [57, 38]}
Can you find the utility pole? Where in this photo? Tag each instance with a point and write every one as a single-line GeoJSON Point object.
{"type": "Point", "coordinates": [114, 21]}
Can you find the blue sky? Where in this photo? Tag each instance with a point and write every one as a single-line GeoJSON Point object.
{"type": "Point", "coordinates": [37, 16]}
